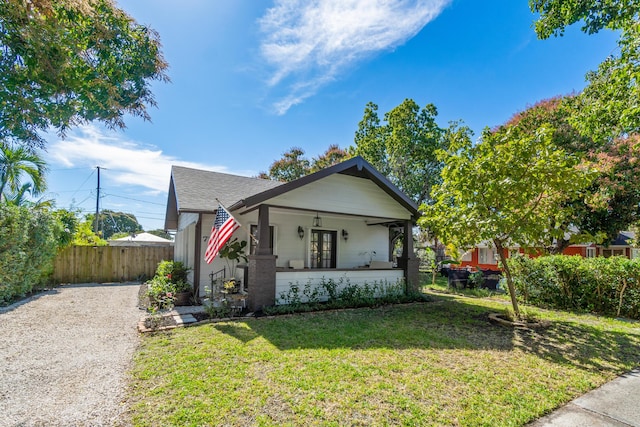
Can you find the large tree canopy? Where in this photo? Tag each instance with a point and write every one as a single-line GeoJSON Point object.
{"type": "Point", "coordinates": [609, 106]}
{"type": "Point", "coordinates": [595, 15]}
{"type": "Point", "coordinates": [66, 62]}
{"type": "Point", "coordinates": [612, 202]}
{"type": "Point", "coordinates": [404, 147]}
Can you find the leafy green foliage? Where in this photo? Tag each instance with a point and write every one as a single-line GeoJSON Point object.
{"type": "Point", "coordinates": [170, 278]}
{"type": "Point", "coordinates": [117, 222]}
{"type": "Point", "coordinates": [69, 222]}
{"type": "Point", "coordinates": [612, 202]}
{"type": "Point", "coordinates": [609, 106]}
{"type": "Point", "coordinates": [609, 286]}
{"type": "Point", "coordinates": [294, 164]}
{"type": "Point", "coordinates": [595, 15]}
{"type": "Point", "coordinates": [332, 156]}
{"type": "Point", "coordinates": [84, 235]}
{"type": "Point", "coordinates": [67, 62]}
{"type": "Point", "coordinates": [330, 294]}
{"type": "Point", "coordinates": [404, 147]}
{"type": "Point", "coordinates": [15, 163]}
{"type": "Point", "coordinates": [505, 189]}
{"type": "Point", "coordinates": [29, 241]}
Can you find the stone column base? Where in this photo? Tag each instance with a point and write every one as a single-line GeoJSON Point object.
{"type": "Point", "coordinates": [262, 281]}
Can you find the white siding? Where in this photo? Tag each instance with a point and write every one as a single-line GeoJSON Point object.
{"type": "Point", "coordinates": [345, 194]}
{"type": "Point", "coordinates": [186, 219]}
{"type": "Point", "coordinates": [354, 252]}
{"type": "Point", "coordinates": [285, 279]}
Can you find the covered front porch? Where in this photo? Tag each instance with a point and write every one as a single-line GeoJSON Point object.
{"type": "Point", "coordinates": [307, 250]}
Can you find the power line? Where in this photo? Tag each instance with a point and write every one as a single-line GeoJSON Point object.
{"type": "Point", "coordinates": [136, 200]}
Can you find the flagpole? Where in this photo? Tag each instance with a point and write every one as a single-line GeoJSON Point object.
{"type": "Point", "coordinates": [242, 226]}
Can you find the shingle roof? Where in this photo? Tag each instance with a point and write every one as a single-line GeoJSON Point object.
{"type": "Point", "coordinates": [195, 190]}
{"type": "Point", "coordinates": [623, 236]}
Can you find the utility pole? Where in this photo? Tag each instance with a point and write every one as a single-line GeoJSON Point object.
{"type": "Point", "coordinates": [95, 227]}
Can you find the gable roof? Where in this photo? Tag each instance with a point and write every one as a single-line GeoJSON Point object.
{"type": "Point", "coordinates": [356, 166]}
{"type": "Point", "coordinates": [622, 238]}
{"type": "Point", "coordinates": [195, 190]}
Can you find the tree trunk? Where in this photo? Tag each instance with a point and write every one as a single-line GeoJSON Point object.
{"type": "Point", "coordinates": [559, 247]}
{"type": "Point", "coordinates": [507, 273]}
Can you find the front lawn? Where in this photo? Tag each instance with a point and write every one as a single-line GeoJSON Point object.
{"type": "Point", "coordinates": [433, 363]}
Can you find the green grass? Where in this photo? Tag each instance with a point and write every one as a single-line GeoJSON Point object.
{"type": "Point", "coordinates": [433, 363]}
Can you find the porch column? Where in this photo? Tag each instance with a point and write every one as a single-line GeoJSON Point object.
{"type": "Point", "coordinates": [410, 263]}
{"type": "Point", "coordinates": [262, 266]}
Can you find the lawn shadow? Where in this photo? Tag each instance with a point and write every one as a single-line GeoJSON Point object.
{"type": "Point", "coordinates": [444, 323]}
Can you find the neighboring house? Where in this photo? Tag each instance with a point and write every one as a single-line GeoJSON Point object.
{"type": "Point", "coordinates": [339, 223]}
{"type": "Point", "coordinates": [484, 256]}
{"type": "Point", "coordinates": [141, 239]}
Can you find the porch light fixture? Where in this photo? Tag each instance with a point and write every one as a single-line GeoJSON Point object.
{"type": "Point", "coordinates": [300, 232]}
{"type": "Point", "coordinates": [345, 235]}
{"type": "Point", "coordinates": [317, 221]}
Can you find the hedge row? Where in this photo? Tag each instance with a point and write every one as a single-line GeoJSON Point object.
{"type": "Point", "coordinates": [609, 286]}
{"type": "Point", "coordinates": [28, 245]}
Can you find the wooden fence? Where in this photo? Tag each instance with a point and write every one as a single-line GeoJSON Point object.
{"type": "Point", "coordinates": [82, 264]}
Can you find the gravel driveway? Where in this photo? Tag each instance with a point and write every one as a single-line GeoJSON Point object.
{"type": "Point", "coordinates": [65, 354]}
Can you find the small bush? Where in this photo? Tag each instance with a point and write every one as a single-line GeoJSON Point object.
{"type": "Point", "coordinates": [170, 278]}
{"type": "Point", "coordinates": [341, 294]}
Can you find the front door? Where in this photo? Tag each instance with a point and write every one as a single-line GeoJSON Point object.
{"type": "Point", "coordinates": [323, 249]}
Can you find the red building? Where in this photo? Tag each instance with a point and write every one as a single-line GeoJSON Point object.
{"type": "Point", "coordinates": [485, 257]}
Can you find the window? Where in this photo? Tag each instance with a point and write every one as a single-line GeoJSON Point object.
{"type": "Point", "coordinates": [635, 253]}
{"type": "Point", "coordinates": [591, 252]}
{"type": "Point", "coordinates": [252, 242]}
{"type": "Point", "coordinates": [323, 249]}
{"type": "Point", "coordinates": [486, 256]}
{"type": "Point", "coordinates": [467, 256]}
{"type": "Point", "coordinates": [612, 252]}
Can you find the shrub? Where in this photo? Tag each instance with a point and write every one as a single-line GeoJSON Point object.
{"type": "Point", "coordinates": [341, 294]}
{"type": "Point", "coordinates": [609, 286]}
{"type": "Point", "coordinates": [170, 278]}
{"type": "Point", "coordinates": [29, 241]}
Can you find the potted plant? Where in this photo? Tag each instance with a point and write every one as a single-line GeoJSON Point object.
{"type": "Point", "coordinates": [233, 252]}
{"type": "Point", "coordinates": [174, 276]}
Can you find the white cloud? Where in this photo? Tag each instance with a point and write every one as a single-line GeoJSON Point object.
{"type": "Point", "coordinates": [129, 163]}
{"type": "Point", "coordinates": [310, 42]}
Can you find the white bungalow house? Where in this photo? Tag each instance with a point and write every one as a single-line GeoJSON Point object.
{"type": "Point", "coordinates": [341, 222]}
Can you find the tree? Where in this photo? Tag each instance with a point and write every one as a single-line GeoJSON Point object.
{"type": "Point", "coordinates": [404, 147]}
{"type": "Point", "coordinates": [85, 236]}
{"type": "Point", "coordinates": [595, 15]}
{"type": "Point", "coordinates": [332, 156]}
{"type": "Point", "coordinates": [609, 107]}
{"type": "Point", "coordinates": [612, 202]}
{"type": "Point", "coordinates": [291, 166]}
{"type": "Point", "coordinates": [66, 62]}
{"type": "Point", "coordinates": [117, 222]}
{"type": "Point", "coordinates": [504, 190]}
{"type": "Point", "coordinates": [16, 162]}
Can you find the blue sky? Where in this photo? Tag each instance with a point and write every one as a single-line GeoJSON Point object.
{"type": "Point", "coordinates": [251, 79]}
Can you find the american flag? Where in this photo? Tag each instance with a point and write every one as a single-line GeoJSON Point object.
{"type": "Point", "coordinates": [223, 227]}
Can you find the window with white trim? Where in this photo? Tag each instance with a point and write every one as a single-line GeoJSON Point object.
{"type": "Point", "coordinates": [591, 252]}
{"type": "Point", "coordinates": [486, 256]}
